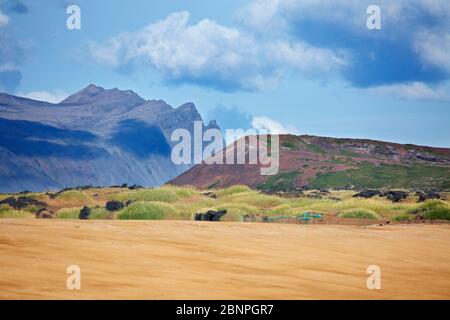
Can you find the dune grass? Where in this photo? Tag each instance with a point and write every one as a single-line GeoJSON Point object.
{"type": "Point", "coordinates": [233, 190]}
{"type": "Point", "coordinates": [182, 192]}
{"type": "Point", "coordinates": [8, 212]}
{"type": "Point", "coordinates": [147, 211]}
{"type": "Point", "coordinates": [433, 210]}
{"type": "Point", "coordinates": [68, 213]}
{"type": "Point", "coordinates": [99, 214]}
{"type": "Point", "coordinates": [253, 198]}
{"type": "Point", "coordinates": [72, 198]}
{"type": "Point", "coordinates": [282, 209]}
{"type": "Point", "coordinates": [161, 194]}
{"type": "Point", "coordinates": [359, 213]}
{"type": "Point", "coordinates": [402, 217]}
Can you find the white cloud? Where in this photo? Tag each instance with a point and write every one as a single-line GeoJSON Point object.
{"type": "Point", "coordinates": [306, 58]}
{"type": "Point", "coordinates": [52, 97]}
{"type": "Point", "coordinates": [415, 91]}
{"type": "Point", "coordinates": [274, 127]}
{"type": "Point", "coordinates": [210, 54]}
{"type": "Point", "coordinates": [434, 48]}
{"type": "Point", "coordinates": [4, 19]}
{"type": "Point", "coordinates": [262, 15]}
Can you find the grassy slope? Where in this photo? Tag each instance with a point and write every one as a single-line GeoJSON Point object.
{"type": "Point", "coordinates": [387, 176]}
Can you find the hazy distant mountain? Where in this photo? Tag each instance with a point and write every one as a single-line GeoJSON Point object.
{"type": "Point", "coordinates": [320, 162]}
{"type": "Point", "coordinates": [95, 136]}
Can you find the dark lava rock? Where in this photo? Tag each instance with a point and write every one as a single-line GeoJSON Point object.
{"type": "Point", "coordinates": [335, 199]}
{"type": "Point", "coordinates": [85, 213]}
{"type": "Point", "coordinates": [249, 218]}
{"type": "Point", "coordinates": [210, 215]}
{"type": "Point", "coordinates": [324, 192]}
{"type": "Point", "coordinates": [296, 193]}
{"type": "Point", "coordinates": [22, 202]}
{"type": "Point", "coordinates": [314, 196]}
{"type": "Point", "coordinates": [128, 203]}
{"type": "Point", "coordinates": [396, 196]}
{"type": "Point", "coordinates": [44, 213]}
{"type": "Point", "coordinates": [124, 185]}
{"type": "Point", "coordinates": [114, 205]}
{"type": "Point", "coordinates": [432, 194]}
{"type": "Point", "coordinates": [367, 194]}
{"type": "Point", "coordinates": [135, 187]}
{"type": "Point", "coordinates": [211, 195]}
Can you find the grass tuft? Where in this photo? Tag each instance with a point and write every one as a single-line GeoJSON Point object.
{"type": "Point", "coordinates": [359, 214]}
{"type": "Point", "coordinates": [161, 194]}
{"type": "Point", "coordinates": [8, 212]}
{"type": "Point", "coordinates": [147, 211]}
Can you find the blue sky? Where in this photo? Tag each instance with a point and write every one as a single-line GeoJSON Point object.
{"type": "Point", "coordinates": [299, 66]}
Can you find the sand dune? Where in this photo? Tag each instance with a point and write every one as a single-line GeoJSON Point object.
{"type": "Point", "coordinates": [193, 260]}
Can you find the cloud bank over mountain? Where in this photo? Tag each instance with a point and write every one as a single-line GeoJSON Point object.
{"type": "Point", "coordinates": [213, 55]}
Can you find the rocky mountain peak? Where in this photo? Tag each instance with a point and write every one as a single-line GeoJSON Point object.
{"type": "Point", "coordinates": [96, 95]}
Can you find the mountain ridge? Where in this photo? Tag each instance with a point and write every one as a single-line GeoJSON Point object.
{"type": "Point", "coordinates": [96, 136]}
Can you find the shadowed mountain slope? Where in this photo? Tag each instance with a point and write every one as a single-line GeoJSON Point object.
{"type": "Point", "coordinates": [96, 136]}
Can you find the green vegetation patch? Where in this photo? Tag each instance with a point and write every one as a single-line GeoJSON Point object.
{"type": "Point", "coordinates": [290, 145]}
{"type": "Point", "coordinates": [311, 147]}
{"type": "Point", "coordinates": [68, 213]}
{"type": "Point", "coordinates": [233, 190]}
{"type": "Point", "coordinates": [359, 214]}
{"type": "Point", "coordinates": [402, 217]}
{"type": "Point", "coordinates": [99, 214]}
{"type": "Point", "coordinates": [147, 211]}
{"type": "Point", "coordinates": [161, 194]}
{"type": "Point", "coordinates": [182, 192]}
{"type": "Point", "coordinates": [433, 210]}
{"type": "Point", "coordinates": [213, 185]}
{"type": "Point", "coordinates": [8, 212]}
{"type": "Point", "coordinates": [369, 175]}
{"type": "Point", "coordinates": [279, 182]}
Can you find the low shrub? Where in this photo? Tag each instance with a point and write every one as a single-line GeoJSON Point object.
{"type": "Point", "coordinates": [147, 211]}
{"type": "Point", "coordinates": [433, 210]}
{"type": "Point", "coordinates": [99, 214]}
{"type": "Point", "coordinates": [438, 214]}
{"type": "Point", "coordinates": [68, 213]}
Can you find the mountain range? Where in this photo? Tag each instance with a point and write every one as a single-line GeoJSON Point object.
{"type": "Point", "coordinates": [94, 137]}
{"type": "Point", "coordinates": [105, 137]}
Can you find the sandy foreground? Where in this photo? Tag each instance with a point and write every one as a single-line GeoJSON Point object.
{"type": "Point", "coordinates": [204, 260]}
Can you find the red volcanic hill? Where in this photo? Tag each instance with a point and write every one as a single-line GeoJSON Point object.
{"type": "Point", "coordinates": [321, 162]}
